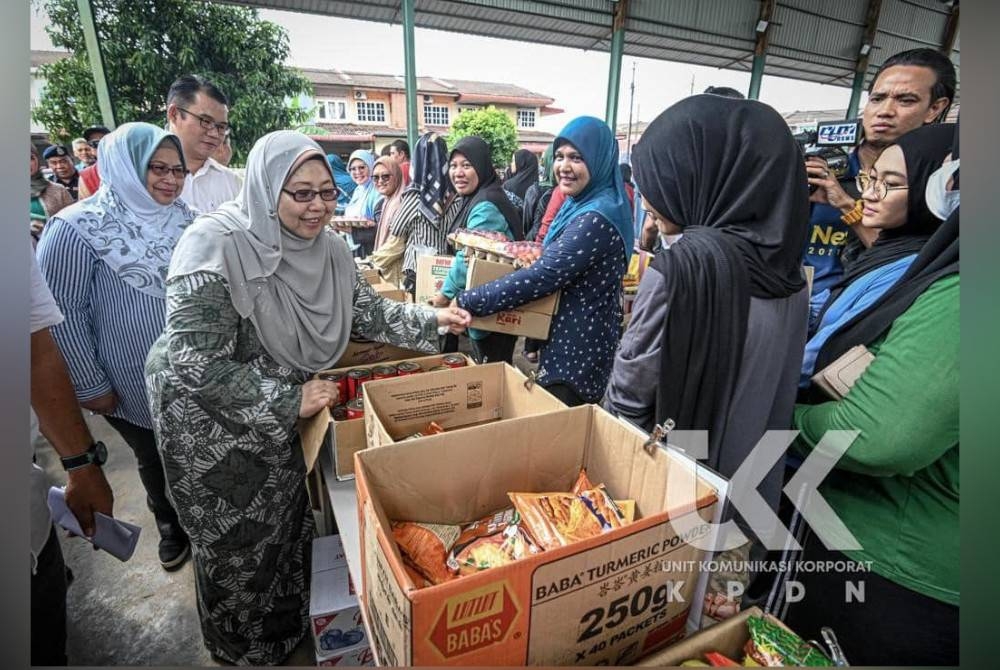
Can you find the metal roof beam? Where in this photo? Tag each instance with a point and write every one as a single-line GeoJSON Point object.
{"type": "Point", "coordinates": [93, 42]}
{"type": "Point", "coordinates": [763, 29]}
{"type": "Point", "coordinates": [410, 68]}
{"type": "Point", "coordinates": [864, 52]}
{"type": "Point", "coordinates": [615, 64]}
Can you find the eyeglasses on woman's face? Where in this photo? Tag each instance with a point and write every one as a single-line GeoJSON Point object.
{"type": "Point", "coordinates": [381, 177]}
{"type": "Point", "coordinates": [308, 195]}
{"type": "Point", "coordinates": [878, 186]}
{"type": "Point", "coordinates": [162, 170]}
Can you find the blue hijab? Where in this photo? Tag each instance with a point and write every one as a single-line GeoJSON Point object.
{"type": "Point", "coordinates": [342, 178]}
{"type": "Point", "coordinates": [365, 196]}
{"type": "Point", "coordinates": [605, 193]}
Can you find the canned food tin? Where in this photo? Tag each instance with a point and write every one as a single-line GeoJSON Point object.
{"type": "Point", "coordinates": [340, 379]}
{"type": "Point", "coordinates": [355, 378]}
{"type": "Point", "coordinates": [454, 361]}
{"type": "Point", "coordinates": [340, 413]}
{"type": "Point", "coordinates": [356, 409]}
{"type": "Point", "coordinates": [384, 372]}
{"type": "Point", "coordinates": [408, 368]}
{"type": "Point", "coordinates": [439, 367]}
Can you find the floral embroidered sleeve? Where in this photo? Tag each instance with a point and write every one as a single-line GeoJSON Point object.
{"type": "Point", "coordinates": [202, 327]}
{"type": "Point", "coordinates": [402, 324]}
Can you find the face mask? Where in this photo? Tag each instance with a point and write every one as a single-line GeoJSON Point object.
{"type": "Point", "coordinates": [940, 201]}
{"type": "Point", "coordinates": [668, 240]}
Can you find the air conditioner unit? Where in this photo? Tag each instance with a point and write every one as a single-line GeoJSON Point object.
{"type": "Point", "coordinates": [428, 99]}
{"type": "Point", "coordinates": [360, 95]}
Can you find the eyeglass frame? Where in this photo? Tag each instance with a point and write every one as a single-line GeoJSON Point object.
{"type": "Point", "coordinates": [161, 170]}
{"type": "Point", "coordinates": [312, 194]}
{"type": "Point", "coordinates": [863, 181]}
{"type": "Point", "coordinates": [379, 178]}
{"type": "Point", "coordinates": [208, 123]}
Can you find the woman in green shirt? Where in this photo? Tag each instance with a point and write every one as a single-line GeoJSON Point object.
{"type": "Point", "coordinates": [896, 488]}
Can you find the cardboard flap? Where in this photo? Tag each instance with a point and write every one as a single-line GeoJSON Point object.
{"type": "Point", "coordinates": [348, 439]}
{"type": "Point", "coordinates": [521, 398]}
{"type": "Point", "coordinates": [312, 432]}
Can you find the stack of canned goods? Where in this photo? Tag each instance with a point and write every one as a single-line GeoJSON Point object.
{"type": "Point", "coordinates": [350, 384]}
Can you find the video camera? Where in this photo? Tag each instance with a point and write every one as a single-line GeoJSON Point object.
{"type": "Point", "coordinates": [831, 141]}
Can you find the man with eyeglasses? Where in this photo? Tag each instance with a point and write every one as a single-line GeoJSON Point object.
{"type": "Point", "coordinates": [198, 113]}
{"type": "Point", "coordinates": [85, 154]}
{"type": "Point", "coordinates": [60, 162]}
{"type": "Point", "coordinates": [910, 89]}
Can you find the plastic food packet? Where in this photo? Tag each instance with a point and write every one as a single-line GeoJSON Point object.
{"type": "Point", "coordinates": [627, 508]}
{"type": "Point", "coordinates": [426, 547]}
{"type": "Point", "coordinates": [774, 646]}
{"type": "Point", "coordinates": [558, 519]}
{"type": "Point", "coordinates": [494, 540]}
{"type": "Point", "coordinates": [432, 429]}
{"type": "Point", "coordinates": [582, 483]}
{"type": "Point", "coordinates": [418, 579]}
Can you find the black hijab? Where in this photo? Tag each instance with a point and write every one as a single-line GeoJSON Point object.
{"type": "Point", "coordinates": [526, 173]}
{"type": "Point", "coordinates": [923, 151]}
{"type": "Point", "coordinates": [729, 173]}
{"type": "Point", "coordinates": [477, 151]}
{"type": "Point", "coordinates": [938, 258]}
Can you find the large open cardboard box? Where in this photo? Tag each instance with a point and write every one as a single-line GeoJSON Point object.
{"type": "Point", "coordinates": [431, 271]}
{"type": "Point", "coordinates": [530, 320]}
{"type": "Point", "coordinates": [347, 437]}
{"type": "Point", "coordinates": [397, 408]}
{"type": "Point", "coordinates": [609, 599]}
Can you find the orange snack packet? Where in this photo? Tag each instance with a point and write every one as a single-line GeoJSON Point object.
{"type": "Point", "coordinates": [558, 519]}
{"type": "Point", "coordinates": [426, 547]}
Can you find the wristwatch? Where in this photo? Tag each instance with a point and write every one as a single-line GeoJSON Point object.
{"type": "Point", "coordinates": [96, 454]}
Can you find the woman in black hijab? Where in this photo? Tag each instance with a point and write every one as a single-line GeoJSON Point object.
{"type": "Point", "coordinates": [484, 207]}
{"type": "Point", "coordinates": [895, 489]}
{"type": "Point", "coordinates": [718, 327]}
{"type": "Point", "coordinates": [520, 176]}
{"type": "Point", "coordinates": [896, 211]}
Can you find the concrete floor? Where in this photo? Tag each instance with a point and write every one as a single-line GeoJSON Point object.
{"type": "Point", "coordinates": [136, 613]}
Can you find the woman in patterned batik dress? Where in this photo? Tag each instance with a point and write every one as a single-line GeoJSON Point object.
{"type": "Point", "coordinates": [260, 296]}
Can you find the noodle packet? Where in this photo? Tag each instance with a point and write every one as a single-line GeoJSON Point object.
{"type": "Point", "coordinates": [425, 546]}
{"type": "Point", "coordinates": [494, 540]}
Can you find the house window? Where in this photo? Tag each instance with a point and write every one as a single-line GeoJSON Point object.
{"type": "Point", "coordinates": [525, 118]}
{"type": "Point", "coordinates": [331, 110]}
{"type": "Point", "coordinates": [435, 115]}
{"type": "Point", "coordinates": [371, 112]}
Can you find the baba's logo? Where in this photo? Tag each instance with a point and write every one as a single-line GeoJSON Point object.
{"type": "Point", "coordinates": [474, 620]}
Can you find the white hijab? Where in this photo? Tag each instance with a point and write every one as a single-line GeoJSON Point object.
{"type": "Point", "coordinates": [298, 293]}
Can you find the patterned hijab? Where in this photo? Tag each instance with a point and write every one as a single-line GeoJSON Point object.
{"type": "Point", "coordinates": [298, 293]}
{"type": "Point", "coordinates": [430, 175]}
{"type": "Point", "coordinates": [126, 228]}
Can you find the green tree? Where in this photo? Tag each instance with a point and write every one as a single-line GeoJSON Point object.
{"type": "Point", "coordinates": [147, 44]}
{"type": "Point", "coordinates": [492, 125]}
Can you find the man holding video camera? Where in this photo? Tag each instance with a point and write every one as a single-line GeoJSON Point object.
{"type": "Point", "coordinates": [911, 88]}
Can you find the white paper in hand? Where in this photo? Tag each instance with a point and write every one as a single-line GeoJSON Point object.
{"type": "Point", "coordinates": [118, 538]}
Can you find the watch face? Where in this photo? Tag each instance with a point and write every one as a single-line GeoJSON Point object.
{"type": "Point", "coordinates": [100, 453]}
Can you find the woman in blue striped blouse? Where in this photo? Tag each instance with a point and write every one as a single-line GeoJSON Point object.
{"type": "Point", "coordinates": [105, 259]}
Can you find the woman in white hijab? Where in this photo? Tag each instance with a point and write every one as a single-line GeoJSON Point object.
{"type": "Point", "coordinates": [260, 296]}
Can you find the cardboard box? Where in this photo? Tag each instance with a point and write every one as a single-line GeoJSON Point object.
{"type": "Point", "coordinates": [726, 638]}
{"type": "Point", "coordinates": [348, 437]}
{"type": "Point", "coordinates": [371, 276]}
{"type": "Point", "coordinates": [397, 408]}
{"type": "Point", "coordinates": [365, 352]}
{"type": "Point", "coordinates": [387, 290]}
{"type": "Point", "coordinates": [530, 320]}
{"type": "Point", "coordinates": [606, 600]}
{"type": "Point", "coordinates": [431, 271]}
{"type": "Point", "coordinates": [357, 658]}
{"type": "Point", "coordinates": [334, 614]}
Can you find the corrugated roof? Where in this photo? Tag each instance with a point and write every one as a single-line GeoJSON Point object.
{"type": "Point", "coordinates": [812, 40]}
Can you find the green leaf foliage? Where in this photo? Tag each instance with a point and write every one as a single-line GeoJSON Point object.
{"type": "Point", "coordinates": [492, 125]}
{"type": "Point", "coordinates": [147, 44]}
